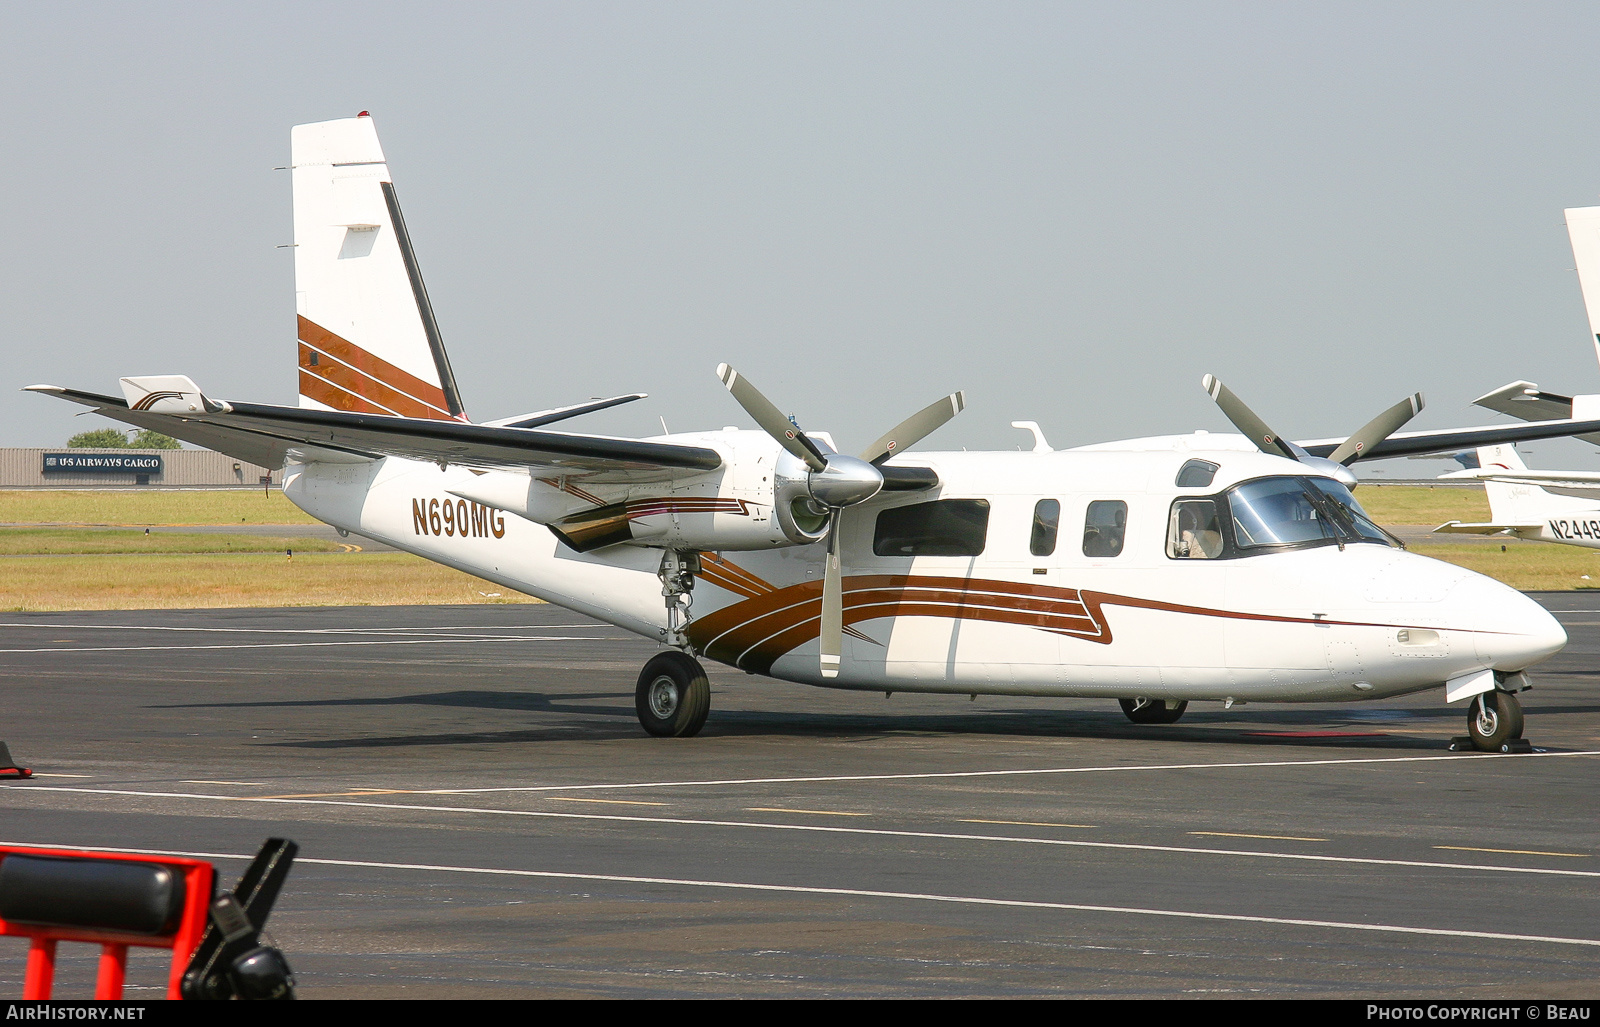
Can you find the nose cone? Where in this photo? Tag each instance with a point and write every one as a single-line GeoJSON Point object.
{"type": "Point", "coordinates": [1511, 631]}
{"type": "Point", "coordinates": [845, 480]}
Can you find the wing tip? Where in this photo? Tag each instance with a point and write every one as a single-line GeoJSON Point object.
{"type": "Point", "coordinates": [727, 375]}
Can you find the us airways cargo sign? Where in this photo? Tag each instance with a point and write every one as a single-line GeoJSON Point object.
{"type": "Point", "coordinates": [456, 517]}
{"type": "Point", "coordinates": [102, 463]}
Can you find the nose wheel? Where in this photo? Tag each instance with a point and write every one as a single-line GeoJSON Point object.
{"type": "Point", "coordinates": [1494, 722]}
{"type": "Point", "coordinates": [673, 696]}
{"type": "Point", "coordinates": [1152, 711]}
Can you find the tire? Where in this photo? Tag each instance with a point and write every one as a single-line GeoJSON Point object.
{"type": "Point", "coordinates": [673, 696]}
{"type": "Point", "coordinates": [1152, 711]}
{"type": "Point", "coordinates": [1494, 718]}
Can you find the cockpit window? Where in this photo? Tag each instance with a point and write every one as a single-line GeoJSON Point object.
{"type": "Point", "coordinates": [1350, 513]}
{"type": "Point", "coordinates": [1194, 531]}
{"type": "Point", "coordinates": [1277, 512]}
{"type": "Point", "coordinates": [1269, 515]}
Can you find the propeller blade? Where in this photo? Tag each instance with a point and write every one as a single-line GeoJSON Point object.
{"type": "Point", "coordinates": [1376, 430]}
{"type": "Point", "coordinates": [1243, 418]}
{"type": "Point", "coordinates": [915, 428]}
{"type": "Point", "coordinates": [832, 635]}
{"type": "Point", "coordinates": [770, 419]}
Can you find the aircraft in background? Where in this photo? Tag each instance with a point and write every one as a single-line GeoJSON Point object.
{"type": "Point", "coordinates": [1155, 572]}
{"type": "Point", "coordinates": [1544, 506]}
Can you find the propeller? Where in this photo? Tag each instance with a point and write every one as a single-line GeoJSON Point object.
{"type": "Point", "coordinates": [1336, 463]}
{"type": "Point", "coordinates": [835, 481]}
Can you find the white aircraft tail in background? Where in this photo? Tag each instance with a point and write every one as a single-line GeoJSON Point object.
{"type": "Point", "coordinates": [1524, 400]}
{"type": "Point", "coordinates": [1544, 506]}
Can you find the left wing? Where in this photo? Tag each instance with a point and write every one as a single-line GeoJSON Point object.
{"type": "Point", "coordinates": [267, 435]}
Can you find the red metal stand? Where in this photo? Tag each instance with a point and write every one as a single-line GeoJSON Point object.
{"type": "Point", "coordinates": [199, 880]}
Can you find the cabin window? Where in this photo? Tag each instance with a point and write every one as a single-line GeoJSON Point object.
{"type": "Point", "coordinates": [1104, 526]}
{"type": "Point", "coordinates": [1046, 521]}
{"type": "Point", "coordinates": [945, 527]}
{"type": "Point", "coordinates": [1194, 531]}
{"type": "Point", "coordinates": [1196, 474]}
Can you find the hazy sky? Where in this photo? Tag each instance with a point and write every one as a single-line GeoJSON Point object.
{"type": "Point", "coordinates": [1071, 210]}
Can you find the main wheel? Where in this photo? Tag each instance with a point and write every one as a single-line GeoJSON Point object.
{"type": "Point", "coordinates": [673, 696]}
{"type": "Point", "coordinates": [1494, 718]}
{"type": "Point", "coordinates": [1152, 711]}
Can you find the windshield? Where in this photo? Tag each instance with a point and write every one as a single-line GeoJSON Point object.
{"type": "Point", "coordinates": [1299, 512]}
{"type": "Point", "coordinates": [1276, 512]}
{"type": "Point", "coordinates": [1352, 518]}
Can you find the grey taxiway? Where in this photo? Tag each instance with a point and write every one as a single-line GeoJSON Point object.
{"type": "Point", "coordinates": [480, 815]}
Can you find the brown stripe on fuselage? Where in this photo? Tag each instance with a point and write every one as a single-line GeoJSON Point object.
{"type": "Point", "coordinates": [430, 396]}
{"type": "Point", "coordinates": [729, 569]}
{"type": "Point", "coordinates": [753, 634]}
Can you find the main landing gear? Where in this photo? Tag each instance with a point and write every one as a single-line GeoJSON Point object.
{"type": "Point", "coordinates": [1152, 711]}
{"type": "Point", "coordinates": [673, 696]}
{"type": "Point", "coordinates": [1494, 724]}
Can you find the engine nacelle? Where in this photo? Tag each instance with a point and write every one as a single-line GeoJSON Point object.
{"type": "Point", "coordinates": [744, 511]}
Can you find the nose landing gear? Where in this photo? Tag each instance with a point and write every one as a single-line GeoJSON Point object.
{"type": "Point", "coordinates": [1494, 724]}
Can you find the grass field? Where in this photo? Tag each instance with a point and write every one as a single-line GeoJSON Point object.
{"type": "Point", "coordinates": [109, 569]}
{"type": "Point", "coordinates": [1423, 504]}
{"type": "Point", "coordinates": [170, 581]}
{"type": "Point", "coordinates": [136, 508]}
{"type": "Point", "coordinates": [1529, 566]}
{"type": "Point", "coordinates": [82, 541]}
{"type": "Point", "coordinates": [1390, 504]}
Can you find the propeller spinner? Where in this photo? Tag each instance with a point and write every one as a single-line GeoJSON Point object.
{"type": "Point", "coordinates": [1336, 464]}
{"type": "Point", "coordinates": [836, 481]}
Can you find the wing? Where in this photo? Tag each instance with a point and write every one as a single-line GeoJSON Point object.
{"type": "Point", "coordinates": [1453, 439]}
{"type": "Point", "coordinates": [267, 435]}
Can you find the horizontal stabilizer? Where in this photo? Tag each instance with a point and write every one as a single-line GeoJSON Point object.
{"type": "Point", "coordinates": [544, 417]}
{"type": "Point", "coordinates": [165, 394]}
{"type": "Point", "coordinates": [1527, 477]}
{"type": "Point", "coordinates": [1526, 402]}
{"type": "Point", "coordinates": [1463, 528]}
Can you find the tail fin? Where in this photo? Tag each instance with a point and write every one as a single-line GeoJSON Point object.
{"type": "Point", "coordinates": [1503, 457]}
{"type": "Point", "coordinates": [368, 339]}
{"type": "Point", "coordinates": [1583, 228]}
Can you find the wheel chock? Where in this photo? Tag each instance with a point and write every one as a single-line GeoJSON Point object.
{"type": "Point", "coordinates": [8, 766]}
{"type": "Point", "coordinates": [1511, 746]}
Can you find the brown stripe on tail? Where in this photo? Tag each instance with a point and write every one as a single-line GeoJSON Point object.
{"type": "Point", "coordinates": [338, 373]}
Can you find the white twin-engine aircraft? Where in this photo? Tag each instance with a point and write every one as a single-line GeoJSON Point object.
{"type": "Point", "coordinates": [1154, 572]}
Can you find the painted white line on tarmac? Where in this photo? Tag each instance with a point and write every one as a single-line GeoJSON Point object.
{"type": "Point", "coordinates": [867, 893]}
{"type": "Point", "coordinates": [1456, 757]}
{"type": "Point", "coordinates": [308, 645]}
{"type": "Point", "coordinates": [816, 828]}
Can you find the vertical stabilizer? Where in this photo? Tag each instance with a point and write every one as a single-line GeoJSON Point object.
{"type": "Point", "coordinates": [368, 340]}
{"type": "Point", "coordinates": [1583, 228]}
{"type": "Point", "coordinates": [1503, 457]}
